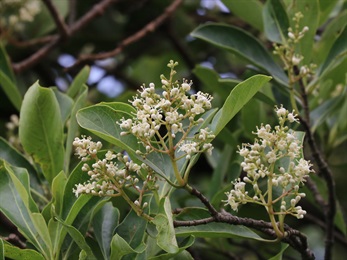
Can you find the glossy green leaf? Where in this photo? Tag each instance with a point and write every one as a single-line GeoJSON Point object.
{"type": "Point", "coordinates": [336, 54]}
{"type": "Point", "coordinates": [212, 230]}
{"type": "Point", "coordinates": [72, 206]}
{"type": "Point", "coordinates": [16, 204]}
{"type": "Point", "coordinates": [16, 253]}
{"type": "Point", "coordinates": [238, 97]}
{"type": "Point", "coordinates": [58, 186]}
{"type": "Point", "coordinates": [78, 238]}
{"type": "Point", "coordinates": [276, 21]}
{"type": "Point", "coordinates": [65, 104]}
{"type": "Point", "coordinates": [41, 130]}
{"type": "Point", "coordinates": [79, 82]}
{"type": "Point", "coordinates": [104, 223]}
{"type": "Point", "coordinates": [133, 228]}
{"type": "Point", "coordinates": [249, 11]}
{"type": "Point", "coordinates": [240, 43]}
{"type": "Point", "coordinates": [102, 120]}
{"type": "Point", "coordinates": [73, 126]}
{"type": "Point", "coordinates": [15, 158]}
{"type": "Point", "coordinates": [120, 248]}
{"type": "Point", "coordinates": [166, 238]}
{"type": "Point", "coordinates": [42, 229]}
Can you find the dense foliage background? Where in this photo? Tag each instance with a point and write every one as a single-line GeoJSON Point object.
{"type": "Point", "coordinates": [116, 46]}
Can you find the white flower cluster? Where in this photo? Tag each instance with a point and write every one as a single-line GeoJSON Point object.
{"type": "Point", "coordinates": [174, 111]}
{"type": "Point", "coordinates": [12, 134]}
{"type": "Point", "coordinates": [107, 177]}
{"type": "Point", "coordinates": [16, 12]}
{"type": "Point", "coordinates": [275, 157]}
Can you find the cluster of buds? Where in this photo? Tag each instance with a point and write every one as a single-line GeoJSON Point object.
{"type": "Point", "coordinates": [274, 166]}
{"type": "Point", "coordinates": [287, 50]}
{"type": "Point", "coordinates": [17, 12]}
{"type": "Point", "coordinates": [163, 121]}
{"type": "Point", "coordinates": [111, 174]}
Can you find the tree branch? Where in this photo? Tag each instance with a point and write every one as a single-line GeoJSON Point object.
{"type": "Point", "coordinates": [324, 170]}
{"type": "Point", "coordinates": [293, 237]}
{"type": "Point", "coordinates": [150, 27]}
{"type": "Point", "coordinates": [95, 11]}
{"type": "Point", "coordinates": [59, 21]}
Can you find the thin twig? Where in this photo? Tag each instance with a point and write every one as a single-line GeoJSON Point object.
{"type": "Point", "coordinates": [31, 42]}
{"type": "Point", "coordinates": [293, 237]}
{"type": "Point", "coordinates": [150, 27]}
{"type": "Point", "coordinates": [59, 21]}
{"type": "Point", "coordinates": [95, 11]}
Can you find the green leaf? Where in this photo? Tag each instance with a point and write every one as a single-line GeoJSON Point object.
{"type": "Point", "coordinates": [339, 219]}
{"type": "Point", "coordinates": [73, 126]}
{"type": "Point", "coordinates": [325, 7]}
{"type": "Point", "coordinates": [16, 203]}
{"type": "Point", "coordinates": [7, 79]}
{"type": "Point", "coordinates": [5, 63]}
{"type": "Point", "coordinates": [104, 223]}
{"type": "Point", "coordinates": [280, 254]}
{"type": "Point", "coordinates": [41, 130]}
{"type": "Point", "coordinates": [16, 253]}
{"type": "Point", "coordinates": [187, 242]}
{"type": "Point", "coordinates": [119, 248]}
{"type": "Point", "coordinates": [213, 82]}
{"type": "Point", "coordinates": [132, 229]}
{"type": "Point", "coordinates": [41, 227]}
{"type": "Point", "coordinates": [320, 114]}
{"type": "Point", "coordinates": [336, 54]}
{"type": "Point", "coordinates": [102, 120]}
{"type": "Point", "coordinates": [249, 11]}
{"type": "Point", "coordinates": [329, 36]}
{"type": "Point", "coordinates": [166, 238]}
{"type": "Point", "coordinates": [78, 238]}
{"type": "Point", "coordinates": [58, 186]}
{"type": "Point", "coordinates": [238, 97]}
{"type": "Point", "coordinates": [15, 158]}
{"type": "Point", "coordinates": [240, 43]}
{"type": "Point", "coordinates": [79, 82]}
{"type": "Point", "coordinates": [212, 230]}
{"type": "Point", "coordinates": [65, 104]}
{"type": "Point", "coordinates": [10, 90]}
{"type": "Point", "coordinates": [220, 171]}
{"type": "Point", "coordinates": [276, 21]}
